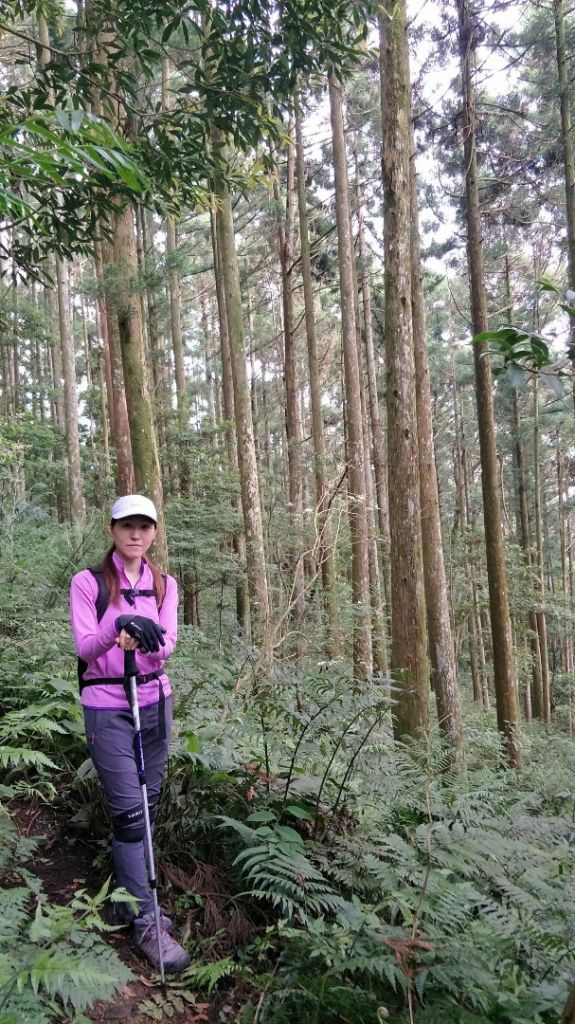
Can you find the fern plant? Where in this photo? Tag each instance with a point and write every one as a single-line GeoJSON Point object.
{"type": "Point", "coordinates": [51, 957]}
{"type": "Point", "coordinates": [276, 865]}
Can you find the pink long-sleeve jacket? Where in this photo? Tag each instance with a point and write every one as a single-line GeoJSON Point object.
{"type": "Point", "coordinates": [96, 641]}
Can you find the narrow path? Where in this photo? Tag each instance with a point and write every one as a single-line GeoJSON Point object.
{"type": "Point", "coordinates": [64, 863]}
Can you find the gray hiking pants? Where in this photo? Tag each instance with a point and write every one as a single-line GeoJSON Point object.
{"type": "Point", "coordinates": [110, 736]}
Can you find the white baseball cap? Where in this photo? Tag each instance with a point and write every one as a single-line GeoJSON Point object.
{"type": "Point", "coordinates": [133, 505]}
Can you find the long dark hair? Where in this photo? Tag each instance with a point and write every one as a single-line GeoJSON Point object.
{"type": "Point", "coordinates": [112, 580]}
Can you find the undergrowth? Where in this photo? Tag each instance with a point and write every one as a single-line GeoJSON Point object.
{"type": "Point", "coordinates": [319, 872]}
{"type": "Point", "coordinates": [53, 960]}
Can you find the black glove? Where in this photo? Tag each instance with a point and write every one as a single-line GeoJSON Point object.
{"type": "Point", "coordinates": [147, 632]}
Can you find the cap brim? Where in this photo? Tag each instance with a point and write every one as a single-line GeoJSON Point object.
{"type": "Point", "coordinates": [135, 515]}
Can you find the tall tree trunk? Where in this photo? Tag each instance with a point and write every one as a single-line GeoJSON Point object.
{"type": "Point", "coordinates": [537, 682]}
{"type": "Point", "coordinates": [408, 620]}
{"type": "Point", "coordinates": [325, 542]}
{"type": "Point", "coordinates": [461, 525]}
{"type": "Point", "coordinates": [561, 491]}
{"type": "Point", "coordinates": [378, 447]}
{"type": "Point", "coordinates": [102, 319]}
{"type": "Point", "coordinates": [19, 476]}
{"type": "Point", "coordinates": [568, 1015]}
{"type": "Point", "coordinates": [541, 619]}
{"type": "Point", "coordinates": [52, 304]}
{"type": "Point", "coordinates": [57, 401]}
{"type": "Point", "coordinates": [175, 294]}
{"type": "Point", "coordinates": [76, 495]}
{"type": "Point", "coordinates": [128, 310]}
{"type": "Point", "coordinates": [7, 380]}
{"type": "Point", "coordinates": [89, 349]}
{"type": "Point", "coordinates": [378, 633]}
{"type": "Point", "coordinates": [503, 659]}
{"type": "Point", "coordinates": [159, 359]}
{"type": "Point", "coordinates": [534, 693]}
{"type": "Point", "coordinates": [565, 102]}
{"type": "Point", "coordinates": [104, 420]}
{"type": "Point", "coordinates": [292, 402]}
{"type": "Point", "coordinates": [441, 650]}
{"type": "Point", "coordinates": [249, 481]}
{"type": "Point", "coordinates": [120, 426]}
{"type": "Point", "coordinates": [362, 655]}
{"type": "Point", "coordinates": [211, 380]}
{"type": "Point", "coordinates": [238, 541]}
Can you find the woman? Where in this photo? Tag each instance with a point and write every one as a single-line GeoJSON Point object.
{"type": "Point", "coordinates": [128, 604]}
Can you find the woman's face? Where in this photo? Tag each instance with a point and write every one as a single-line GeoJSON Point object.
{"type": "Point", "coordinates": [132, 536]}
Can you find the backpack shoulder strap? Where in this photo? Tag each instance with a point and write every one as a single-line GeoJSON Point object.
{"type": "Point", "coordinates": [103, 597]}
{"type": "Point", "coordinates": [102, 600]}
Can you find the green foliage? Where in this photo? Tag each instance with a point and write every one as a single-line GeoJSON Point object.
{"type": "Point", "coordinates": [54, 150]}
{"type": "Point", "coordinates": [276, 865]}
{"type": "Point", "coordinates": [415, 888]}
{"type": "Point", "coordinates": [338, 876]}
{"type": "Point", "coordinates": [201, 530]}
{"type": "Point", "coordinates": [41, 720]}
{"type": "Point", "coordinates": [524, 352]}
{"type": "Point", "coordinates": [527, 351]}
{"type": "Point", "coordinates": [69, 155]}
{"type": "Point", "coordinates": [51, 957]}
{"type": "Point", "coordinates": [454, 897]}
{"type": "Point", "coordinates": [207, 975]}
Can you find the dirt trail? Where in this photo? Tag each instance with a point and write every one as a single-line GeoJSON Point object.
{"type": "Point", "coordinates": [65, 864]}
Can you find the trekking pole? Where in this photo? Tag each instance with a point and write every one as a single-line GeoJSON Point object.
{"type": "Point", "coordinates": [130, 673]}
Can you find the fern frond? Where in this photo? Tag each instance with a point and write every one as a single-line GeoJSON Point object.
{"type": "Point", "coordinates": [20, 757]}
{"type": "Point", "coordinates": [76, 978]}
{"type": "Point", "coordinates": [207, 975]}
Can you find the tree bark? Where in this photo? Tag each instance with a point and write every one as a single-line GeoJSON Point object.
{"type": "Point", "coordinates": [441, 650]}
{"type": "Point", "coordinates": [378, 445]}
{"type": "Point", "coordinates": [362, 654]}
{"type": "Point", "coordinates": [292, 403]}
{"type": "Point", "coordinates": [128, 311]}
{"type": "Point", "coordinates": [409, 659]}
{"type": "Point", "coordinates": [325, 541]}
{"type": "Point", "coordinates": [537, 682]}
{"type": "Point", "coordinates": [568, 1015]}
{"type": "Point", "coordinates": [76, 495]}
{"type": "Point", "coordinates": [541, 619]}
{"type": "Point", "coordinates": [238, 541]}
{"type": "Point", "coordinates": [565, 580]}
{"type": "Point", "coordinates": [120, 426]}
{"type": "Point", "coordinates": [378, 633]}
{"type": "Point", "coordinates": [162, 398]}
{"type": "Point", "coordinates": [249, 481]}
{"type": "Point", "coordinates": [565, 103]}
{"type": "Point", "coordinates": [503, 658]}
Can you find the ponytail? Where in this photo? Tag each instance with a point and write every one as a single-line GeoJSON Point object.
{"type": "Point", "coordinates": [111, 578]}
{"type": "Point", "coordinates": [159, 583]}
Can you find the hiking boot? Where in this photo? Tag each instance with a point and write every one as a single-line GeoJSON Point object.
{"type": "Point", "coordinates": [174, 956]}
{"type": "Point", "coordinates": [166, 923]}
{"type": "Point", "coordinates": [118, 915]}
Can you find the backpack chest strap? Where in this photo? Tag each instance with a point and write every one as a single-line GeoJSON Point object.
{"type": "Point", "coordinates": [132, 593]}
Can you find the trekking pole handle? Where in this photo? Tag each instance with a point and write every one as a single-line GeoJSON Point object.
{"type": "Point", "coordinates": [130, 664]}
